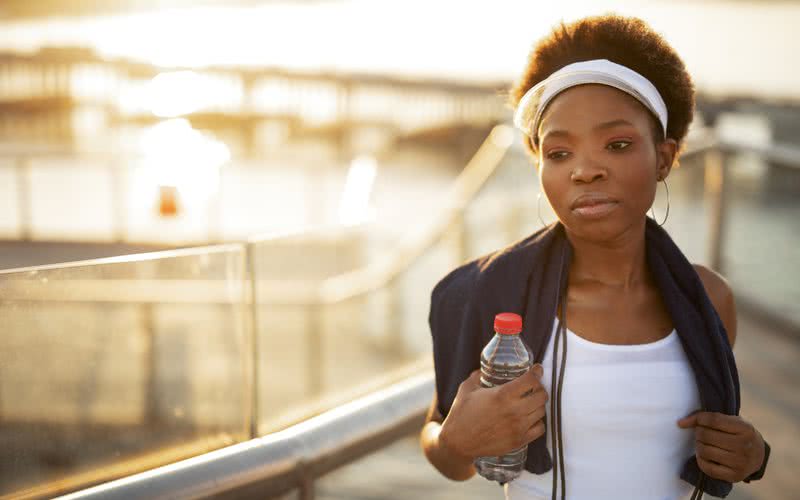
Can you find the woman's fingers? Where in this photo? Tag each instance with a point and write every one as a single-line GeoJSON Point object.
{"type": "Point", "coordinates": [717, 438]}
{"type": "Point", "coordinates": [718, 455]}
{"type": "Point", "coordinates": [716, 470]}
{"type": "Point", "coordinates": [536, 415]}
{"type": "Point", "coordinates": [529, 425]}
{"type": "Point", "coordinates": [534, 432]}
{"type": "Point", "coordinates": [537, 400]}
{"type": "Point", "coordinates": [524, 385]}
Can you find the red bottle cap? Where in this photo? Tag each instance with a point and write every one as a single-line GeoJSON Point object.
{"type": "Point", "coordinates": [508, 323]}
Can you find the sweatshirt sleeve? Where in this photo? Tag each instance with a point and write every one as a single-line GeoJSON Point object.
{"type": "Point", "coordinates": [456, 344]}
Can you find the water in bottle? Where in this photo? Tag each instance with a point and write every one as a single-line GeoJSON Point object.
{"type": "Point", "coordinates": [504, 358]}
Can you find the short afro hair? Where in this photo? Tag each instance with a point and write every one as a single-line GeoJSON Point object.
{"type": "Point", "coordinates": [628, 41]}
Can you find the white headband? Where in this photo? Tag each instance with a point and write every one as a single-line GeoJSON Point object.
{"type": "Point", "coordinates": [598, 71]}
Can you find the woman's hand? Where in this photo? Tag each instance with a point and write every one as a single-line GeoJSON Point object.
{"type": "Point", "coordinates": [728, 447]}
{"type": "Point", "coordinates": [494, 421]}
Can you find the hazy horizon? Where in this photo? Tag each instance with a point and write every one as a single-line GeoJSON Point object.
{"type": "Point", "coordinates": [730, 47]}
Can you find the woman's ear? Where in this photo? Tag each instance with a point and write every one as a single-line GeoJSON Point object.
{"type": "Point", "coordinates": [666, 151]}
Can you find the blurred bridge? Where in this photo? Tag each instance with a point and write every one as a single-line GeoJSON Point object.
{"type": "Point", "coordinates": [58, 92]}
{"type": "Point", "coordinates": [176, 157]}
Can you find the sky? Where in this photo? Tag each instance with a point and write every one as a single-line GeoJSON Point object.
{"type": "Point", "coordinates": [730, 47]}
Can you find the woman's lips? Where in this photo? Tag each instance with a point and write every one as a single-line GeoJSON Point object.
{"type": "Point", "coordinates": [595, 210]}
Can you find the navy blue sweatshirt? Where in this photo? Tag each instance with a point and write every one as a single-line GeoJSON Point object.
{"type": "Point", "coordinates": [526, 278]}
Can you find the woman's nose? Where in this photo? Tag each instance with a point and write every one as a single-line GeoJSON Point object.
{"type": "Point", "coordinates": [588, 171]}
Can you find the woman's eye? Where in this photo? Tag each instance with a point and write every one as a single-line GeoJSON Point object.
{"type": "Point", "coordinates": [557, 155]}
{"type": "Point", "coordinates": [618, 145]}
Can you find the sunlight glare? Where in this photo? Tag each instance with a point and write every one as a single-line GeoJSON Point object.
{"type": "Point", "coordinates": [178, 93]}
{"type": "Point", "coordinates": [354, 206]}
{"type": "Point", "coordinates": [177, 155]}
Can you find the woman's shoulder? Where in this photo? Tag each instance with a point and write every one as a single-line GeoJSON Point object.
{"type": "Point", "coordinates": [464, 279]}
{"type": "Point", "coordinates": [510, 257]}
{"type": "Point", "coordinates": [456, 285]}
{"type": "Point", "coordinates": [720, 293]}
{"type": "Point", "coordinates": [498, 276]}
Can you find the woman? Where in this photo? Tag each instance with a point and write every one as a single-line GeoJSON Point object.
{"type": "Point", "coordinates": [644, 371]}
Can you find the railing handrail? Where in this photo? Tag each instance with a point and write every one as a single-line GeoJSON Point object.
{"type": "Point", "coordinates": [160, 291]}
{"type": "Point", "coordinates": [296, 235]}
{"type": "Point", "coordinates": [288, 459]}
{"type": "Point", "coordinates": [136, 257]}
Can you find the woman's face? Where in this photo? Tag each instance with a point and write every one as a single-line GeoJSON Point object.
{"type": "Point", "coordinates": [599, 162]}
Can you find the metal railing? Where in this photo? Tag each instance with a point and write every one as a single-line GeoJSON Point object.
{"type": "Point", "coordinates": [312, 295]}
{"type": "Point", "coordinates": [286, 460]}
{"type": "Point", "coordinates": [717, 190]}
{"type": "Point", "coordinates": [716, 185]}
{"type": "Point", "coordinates": [290, 459]}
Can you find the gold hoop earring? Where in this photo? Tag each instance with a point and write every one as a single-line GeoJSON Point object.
{"type": "Point", "coordinates": [653, 212]}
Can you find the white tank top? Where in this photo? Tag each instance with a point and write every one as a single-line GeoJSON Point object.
{"type": "Point", "coordinates": [620, 405]}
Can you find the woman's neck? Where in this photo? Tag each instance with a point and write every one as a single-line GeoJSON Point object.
{"type": "Point", "coordinates": [620, 263]}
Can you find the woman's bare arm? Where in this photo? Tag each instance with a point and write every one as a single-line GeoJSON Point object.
{"type": "Point", "coordinates": [721, 295]}
{"type": "Point", "coordinates": [446, 461]}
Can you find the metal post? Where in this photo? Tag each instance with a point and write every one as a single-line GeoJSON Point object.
{"type": "Point", "coordinates": [253, 332]}
{"type": "Point", "coordinates": [24, 199]}
{"type": "Point", "coordinates": [715, 194]}
{"type": "Point", "coordinates": [151, 413]}
{"type": "Point", "coordinates": [314, 359]}
{"type": "Point", "coordinates": [119, 200]}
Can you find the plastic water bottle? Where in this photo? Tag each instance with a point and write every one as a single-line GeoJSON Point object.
{"type": "Point", "coordinates": [504, 358]}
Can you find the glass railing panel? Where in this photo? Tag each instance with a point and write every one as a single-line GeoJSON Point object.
{"type": "Point", "coordinates": [291, 319]}
{"type": "Point", "coordinates": [761, 236]}
{"type": "Point", "coordinates": [114, 366]}
{"type": "Point", "coordinates": [324, 343]}
{"type": "Point", "coordinates": [315, 357]}
{"type": "Point", "coordinates": [286, 347]}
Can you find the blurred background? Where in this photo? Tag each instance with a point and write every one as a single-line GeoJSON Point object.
{"type": "Point", "coordinates": [219, 219]}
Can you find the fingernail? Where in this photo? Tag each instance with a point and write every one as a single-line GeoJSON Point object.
{"type": "Point", "coordinates": [538, 370]}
